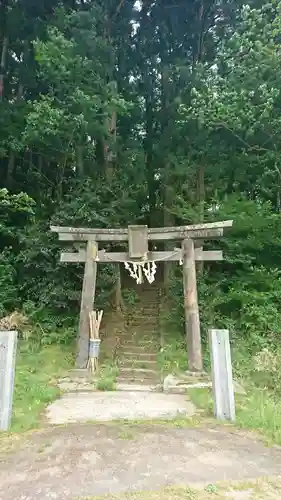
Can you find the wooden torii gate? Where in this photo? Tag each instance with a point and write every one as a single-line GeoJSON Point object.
{"type": "Point", "coordinates": [137, 238]}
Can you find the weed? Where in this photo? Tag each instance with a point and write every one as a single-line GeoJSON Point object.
{"type": "Point", "coordinates": [106, 384]}
{"type": "Point", "coordinates": [130, 296]}
{"type": "Point", "coordinates": [126, 434]}
{"type": "Point", "coordinates": [107, 378]}
{"type": "Point", "coordinates": [173, 358]}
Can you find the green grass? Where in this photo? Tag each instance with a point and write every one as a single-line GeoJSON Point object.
{"type": "Point", "coordinates": [256, 411]}
{"type": "Point", "coordinates": [262, 489]}
{"type": "Point", "coordinates": [35, 382]}
{"type": "Point", "coordinates": [259, 410]}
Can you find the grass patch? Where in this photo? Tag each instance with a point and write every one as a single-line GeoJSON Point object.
{"type": "Point", "coordinates": [257, 411]}
{"type": "Point", "coordinates": [35, 382]}
{"type": "Point", "coordinates": [127, 434]}
{"type": "Point", "coordinates": [107, 377]}
{"type": "Point", "coordinates": [261, 489]}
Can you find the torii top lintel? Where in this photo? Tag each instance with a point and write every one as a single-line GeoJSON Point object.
{"type": "Point", "coordinates": [196, 231]}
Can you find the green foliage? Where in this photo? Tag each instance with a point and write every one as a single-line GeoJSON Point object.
{"type": "Point", "coordinates": [16, 211]}
{"type": "Point", "coordinates": [243, 292]}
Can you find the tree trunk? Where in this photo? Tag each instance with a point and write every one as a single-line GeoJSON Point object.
{"type": "Point", "coordinates": [118, 300]}
{"type": "Point", "coordinates": [148, 148]}
{"type": "Point", "coordinates": [201, 206]}
{"type": "Point", "coordinates": [168, 191]}
{"type": "Point", "coordinates": [3, 66]}
{"type": "Point", "coordinates": [5, 42]}
{"type": "Point", "coordinates": [110, 148]}
{"type": "Point", "coordinates": [80, 161]}
{"type": "Point", "coordinates": [12, 156]}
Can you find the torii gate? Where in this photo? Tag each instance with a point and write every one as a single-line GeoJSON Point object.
{"type": "Point", "coordinates": [138, 253]}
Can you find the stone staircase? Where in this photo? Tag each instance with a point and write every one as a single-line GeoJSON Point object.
{"type": "Point", "coordinates": [140, 343]}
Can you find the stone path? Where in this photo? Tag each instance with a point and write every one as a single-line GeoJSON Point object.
{"type": "Point", "coordinates": [105, 406]}
{"type": "Point", "coordinates": [79, 461]}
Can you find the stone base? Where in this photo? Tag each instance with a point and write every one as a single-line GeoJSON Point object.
{"type": "Point", "coordinates": [189, 373]}
{"type": "Point", "coordinates": [183, 388]}
{"type": "Point", "coordinates": [180, 384]}
{"type": "Point", "coordinates": [79, 373]}
{"type": "Point", "coordinates": [77, 380]}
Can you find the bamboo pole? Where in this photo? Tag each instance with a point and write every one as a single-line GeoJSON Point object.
{"type": "Point", "coordinates": [95, 318]}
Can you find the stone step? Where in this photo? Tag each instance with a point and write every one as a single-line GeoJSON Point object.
{"type": "Point", "coordinates": [134, 387]}
{"type": "Point", "coordinates": [151, 338]}
{"type": "Point", "coordinates": [138, 363]}
{"type": "Point", "coordinates": [148, 341]}
{"type": "Point", "coordinates": [145, 317]}
{"type": "Point", "coordinates": [138, 355]}
{"type": "Point", "coordinates": [145, 306]}
{"type": "Point", "coordinates": [142, 320]}
{"type": "Point", "coordinates": [137, 371]}
{"type": "Point", "coordinates": [141, 331]}
{"type": "Point", "coordinates": [137, 380]}
{"type": "Point", "coordinates": [140, 334]}
{"type": "Point", "coordinates": [138, 349]}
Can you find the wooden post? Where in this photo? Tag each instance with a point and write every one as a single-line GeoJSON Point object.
{"type": "Point", "coordinates": [223, 391]}
{"type": "Point", "coordinates": [87, 303]}
{"type": "Point", "coordinates": [192, 322]}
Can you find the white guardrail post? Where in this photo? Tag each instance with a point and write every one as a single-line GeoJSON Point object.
{"type": "Point", "coordinates": [8, 347]}
{"type": "Point", "coordinates": [222, 381]}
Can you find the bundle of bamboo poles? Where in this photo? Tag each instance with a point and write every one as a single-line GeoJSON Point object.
{"type": "Point", "coordinates": [95, 318]}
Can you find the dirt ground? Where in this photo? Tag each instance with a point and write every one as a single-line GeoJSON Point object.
{"type": "Point", "coordinates": [87, 460]}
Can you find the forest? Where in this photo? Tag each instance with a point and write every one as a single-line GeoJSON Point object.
{"type": "Point", "coordinates": [157, 112]}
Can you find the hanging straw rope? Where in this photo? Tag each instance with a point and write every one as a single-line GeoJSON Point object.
{"type": "Point", "coordinates": [95, 318]}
